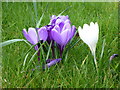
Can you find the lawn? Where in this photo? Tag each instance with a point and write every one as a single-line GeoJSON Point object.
{"type": "Point", "coordinates": [77, 68]}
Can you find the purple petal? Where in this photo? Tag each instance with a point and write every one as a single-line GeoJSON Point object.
{"type": "Point", "coordinates": [57, 28]}
{"type": "Point", "coordinates": [66, 26]}
{"type": "Point", "coordinates": [61, 26]}
{"type": "Point", "coordinates": [58, 21]}
{"type": "Point", "coordinates": [53, 19]}
{"type": "Point", "coordinates": [53, 16]}
{"type": "Point", "coordinates": [27, 36]}
{"type": "Point", "coordinates": [64, 17]}
{"type": "Point", "coordinates": [43, 34]}
{"type": "Point", "coordinates": [33, 35]}
{"type": "Point", "coordinates": [56, 36]}
{"type": "Point", "coordinates": [113, 56]}
{"type": "Point", "coordinates": [67, 21]}
{"type": "Point", "coordinates": [53, 62]}
{"type": "Point", "coordinates": [72, 31]}
{"type": "Point", "coordinates": [65, 37]}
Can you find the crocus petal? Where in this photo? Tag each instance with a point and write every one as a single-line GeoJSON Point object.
{"type": "Point", "coordinates": [67, 21]}
{"type": "Point", "coordinates": [66, 26]}
{"type": "Point", "coordinates": [56, 36]}
{"type": "Point", "coordinates": [84, 35]}
{"type": "Point", "coordinates": [53, 19]}
{"type": "Point", "coordinates": [64, 36]}
{"type": "Point", "coordinates": [72, 31]}
{"type": "Point", "coordinates": [53, 16]}
{"type": "Point", "coordinates": [86, 27]}
{"type": "Point", "coordinates": [57, 28]}
{"type": "Point", "coordinates": [113, 56]}
{"type": "Point", "coordinates": [61, 26]}
{"type": "Point", "coordinates": [27, 36]}
{"type": "Point", "coordinates": [58, 21]}
{"type": "Point", "coordinates": [96, 30]}
{"type": "Point", "coordinates": [92, 25]}
{"type": "Point", "coordinates": [64, 18]}
{"type": "Point", "coordinates": [33, 35]}
{"type": "Point", "coordinates": [53, 62]}
{"type": "Point", "coordinates": [94, 33]}
{"type": "Point", "coordinates": [43, 34]}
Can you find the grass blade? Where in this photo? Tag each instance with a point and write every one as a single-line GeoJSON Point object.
{"type": "Point", "coordinates": [35, 53]}
{"type": "Point", "coordinates": [25, 60]}
{"type": "Point", "coordinates": [35, 9]}
{"type": "Point", "coordinates": [83, 62]}
{"type": "Point", "coordinates": [64, 11]}
{"type": "Point", "coordinates": [27, 54]}
{"type": "Point", "coordinates": [33, 56]}
{"type": "Point", "coordinates": [12, 41]}
{"type": "Point", "coordinates": [75, 43]}
{"type": "Point", "coordinates": [39, 22]}
{"type": "Point", "coordinates": [48, 53]}
{"type": "Point", "coordinates": [103, 46]}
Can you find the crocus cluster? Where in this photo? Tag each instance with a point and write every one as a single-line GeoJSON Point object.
{"type": "Point", "coordinates": [59, 30]}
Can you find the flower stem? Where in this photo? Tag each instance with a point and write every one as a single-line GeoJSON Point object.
{"type": "Point", "coordinates": [38, 55]}
{"type": "Point", "coordinates": [38, 52]}
{"type": "Point", "coordinates": [53, 50]}
{"type": "Point", "coordinates": [95, 62]}
{"type": "Point", "coordinates": [61, 52]}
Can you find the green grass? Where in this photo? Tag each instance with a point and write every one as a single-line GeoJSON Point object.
{"type": "Point", "coordinates": [77, 70]}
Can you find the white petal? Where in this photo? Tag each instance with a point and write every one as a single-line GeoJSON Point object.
{"type": "Point", "coordinates": [86, 27]}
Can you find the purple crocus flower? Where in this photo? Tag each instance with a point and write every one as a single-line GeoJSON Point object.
{"type": "Point", "coordinates": [62, 32]}
{"type": "Point", "coordinates": [113, 56]}
{"type": "Point", "coordinates": [33, 37]}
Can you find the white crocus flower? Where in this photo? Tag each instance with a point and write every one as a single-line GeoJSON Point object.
{"type": "Point", "coordinates": [89, 34]}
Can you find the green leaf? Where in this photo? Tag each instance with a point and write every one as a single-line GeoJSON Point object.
{"type": "Point", "coordinates": [25, 60]}
{"type": "Point", "coordinates": [27, 55]}
{"type": "Point", "coordinates": [12, 41]}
